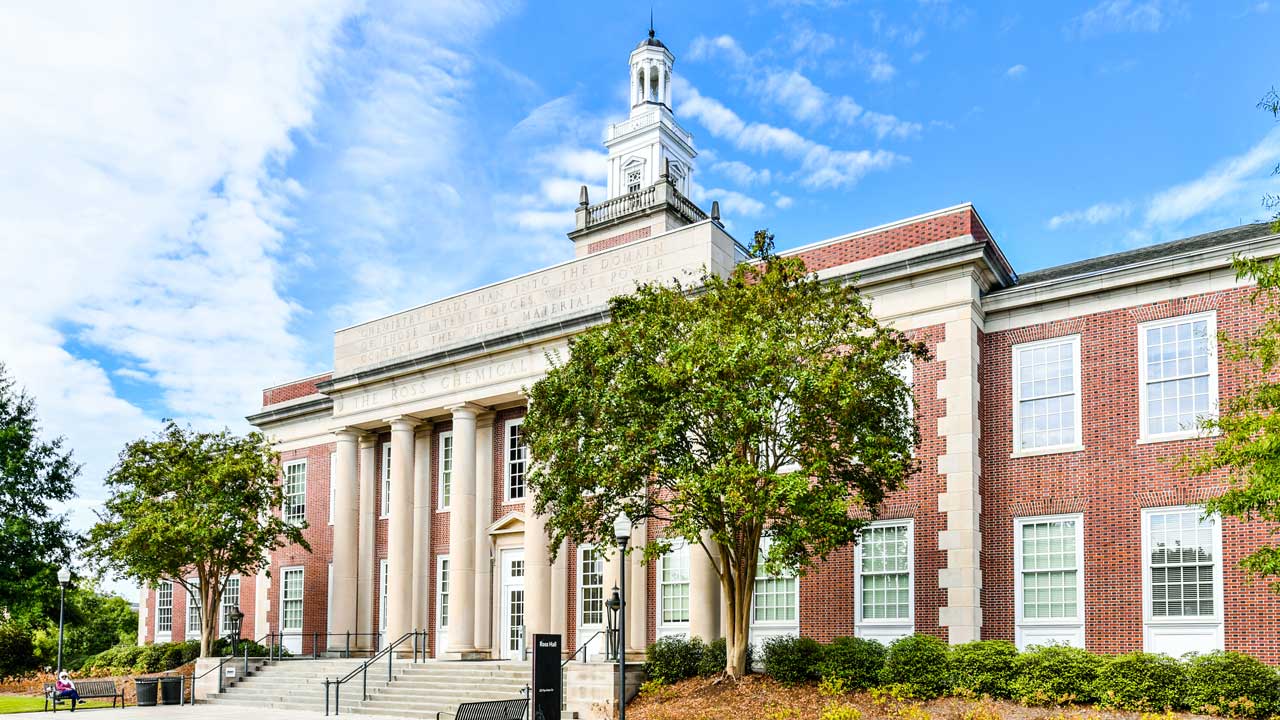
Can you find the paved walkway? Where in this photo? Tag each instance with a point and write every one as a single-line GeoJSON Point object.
{"type": "Point", "coordinates": [206, 711]}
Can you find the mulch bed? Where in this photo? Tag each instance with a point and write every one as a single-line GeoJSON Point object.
{"type": "Point", "coordinates": [34, 685]}
{"type": "Point", "coordinates": [757, 697]}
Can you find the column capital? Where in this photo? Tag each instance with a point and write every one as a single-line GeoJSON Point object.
{"type": "Point", "coordinates": [368, 440]}
{"type": "Point", "coordinates": [347, 433]}
{"type": "Point", "coordinates": [402, 422]}
{"type": "Point", "coordinates": [425, 427]}
{"type": "Point", "coordinates": [466, 409]}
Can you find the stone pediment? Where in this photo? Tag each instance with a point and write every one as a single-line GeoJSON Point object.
{"type": "Point", "coordinates": [512, 522]}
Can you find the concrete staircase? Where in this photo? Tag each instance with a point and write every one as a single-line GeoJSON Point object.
{"type": "Point", "coordinates": [418, 690]}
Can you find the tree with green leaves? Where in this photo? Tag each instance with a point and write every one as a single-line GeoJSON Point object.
{"type": "Point", "coordinates": [34, 540]}
{"type": "Point", "coordinates": [1247, 447]}
{"type": "Point", "coordinates": [193, 504]}
{"type": "Point", "coordinates": [765, 404]}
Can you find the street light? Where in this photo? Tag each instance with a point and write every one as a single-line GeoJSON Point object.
{"type": "Point", "coordinates": [64, 577]}
{"type": "Point", "coordinates": [236, 617]}
{"type": "Point", "coordinates": [622, 533]}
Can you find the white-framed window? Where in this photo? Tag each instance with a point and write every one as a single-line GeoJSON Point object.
{"type": "Point", "coordinates": [517, 459]}
{"type": "Point", "coordinates": [446, 469]}
{"type": "Point", "coordinates": [230, 601]}
{"type": "Point", "coordinates": [673, 587]}
{"type": "Point", "coordinates": [1046, 387]}
{"type": "Point", "coordinates": [634, 175]}
{"type": "Point", "coordinates": [386, 479]}
{"type": "Point", "coordinates": [383, 567]}
{"type": "Point", "coordinates": [885, 591]}
{"type": "Point", "coordinates": [164, 611]}
{"type": "Point", "coordinates": [590, 587]}
{"type": "Point", "coordinates": [291, 601]}
{"type": "Point", "coordinates": [776, 596]}
{"type": "Point", "coordinates": [295, 491]}
{"type": "Point", "coordinates": [1049, 579]}
{"type": "Point", "coordinates": [1178, 375]}
{"type": "Point", "coordinates": [193, 607]}
{"type": "Point", "coordinates": [1182, 580]}
{"type": "Point", "coordinates": [333, 483]}
{"type": "Point", "coordinates": [442, 591]}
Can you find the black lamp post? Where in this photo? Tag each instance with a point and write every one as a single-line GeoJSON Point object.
{"type": "Point", "coordinates": [64, 577]}
{"type": "Point", "coordinates": [622, 533]}
{"type": "Point", "coordinates": [236, 617]}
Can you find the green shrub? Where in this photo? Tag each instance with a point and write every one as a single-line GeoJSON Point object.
{"type": "Point", "coordinates": [673, 659]}
{"type": "Point", "coordinates": [151, 659]}
{"type": "Point", "coordinates": [982, 667]}
{"type": "Point", "coordinates": [1055, 675]}
{"type": "Point", "coordinates": [1233, 684]}
{"type": "Point", "coordinates": [790, 659]}
{"type": "Point", "coordinates": [173, 654]}
{"type": "Point", "coordinates": [17, 651]}
{"type": "Point", "coordinates": [856, 661]}
{"type": "Point", "coordinates": [1141, 682]}
{"type": "Point", "coordinates": [715, 655]}
{"type": "Point", "coordinates": [917, 666]}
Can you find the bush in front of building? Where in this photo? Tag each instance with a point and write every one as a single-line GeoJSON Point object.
{"type": "Point", "coordinates": [1141, 682]}
{"type": "Point", "coordinates": [672, 659]}
{"type": "Point", "coordinates": [1055, 675]}
{"type": "Point", "coordinates": [982, 667]}
{"type": "Point", "coordinates": [715, 655]}
{"type": "Point", "coordinates": [917, 666]}
{"type": "Point", "coordinates": [856, 661]}
{"type": "Point", "coordinates": [791, 659]}
{"type": "Point", "coordinates": [1231, 684]}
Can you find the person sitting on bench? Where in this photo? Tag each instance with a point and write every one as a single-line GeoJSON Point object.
{"type": "Point", "coordinates": [64, 688]}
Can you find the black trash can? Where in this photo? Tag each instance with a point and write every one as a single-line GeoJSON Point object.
{"type": "Point", "coordinates": [171, 690]}
{"type": "Point", "coordinates": [146, 689]}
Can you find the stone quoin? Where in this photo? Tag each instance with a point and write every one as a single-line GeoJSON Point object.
{"type": "Point", "coordinates": [1047, 508]}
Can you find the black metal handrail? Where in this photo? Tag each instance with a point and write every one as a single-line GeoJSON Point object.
{"type": "Point", "coordinates": [419, 638]}
{"type": "Point", "coordinates": [583, 648]}
{"type": "Point", "coordinates": [275, 644]}
{"type": "Point", "coordinates": [222, 661]}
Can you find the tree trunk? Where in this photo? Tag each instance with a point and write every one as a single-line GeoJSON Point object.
{"type": "Point", "coordinates": [210, 595]}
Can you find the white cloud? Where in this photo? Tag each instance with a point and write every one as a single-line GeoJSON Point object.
{"type": "Point", "coordinates": [1016, 71]}
{"type": "Point", "coordinates": [708, 48]}
{"type": "Point", "coordinates": [884, 125]}
{"type": "Point", "coordinates": [782, 202]}
{"type": "Point", "coordinates": [1113, 16]}
{"type": "Point", "coordinates": [1225, 184]}
{"type": "Point", "coordinates": [876, 64]}
{"type": "Point", "coordinates": [1092, 215]}
{"type": "Point", "coordinates": [741, 173]}
{"type": "Point", "coordinates": [734, 203]}
{"type": "Point", "coordinates": [820, 165]}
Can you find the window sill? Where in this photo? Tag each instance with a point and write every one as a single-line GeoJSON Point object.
{"type": "Point", "coordinates": [1183, 622]}
{"type": "Point", "coordinates": [442, 509]}
{"type": "Point", "coordinates": [1052, 623]}
{"type": "Point", "coordinates": [887, 623]}
{"type": "Point", "coordinates": [1174, 437]}
{"type": "Point", "coordinates": [1047, 451]}
{"type": "Point", "coordinates": [384, 517]}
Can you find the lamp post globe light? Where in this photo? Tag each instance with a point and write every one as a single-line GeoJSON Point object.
{"type": "Point", "coordinates": [622, 533]}
{"type": "Point", "coordinates": [64, 577]}
{"type": "Point", "coordinates": [237, 618]}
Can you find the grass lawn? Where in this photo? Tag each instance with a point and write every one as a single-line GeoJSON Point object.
{"type": "Point", "coordinates": [35, 703]}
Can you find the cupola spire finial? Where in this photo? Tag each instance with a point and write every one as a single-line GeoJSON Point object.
{"type": "Point", "coordinates": [651, 33]}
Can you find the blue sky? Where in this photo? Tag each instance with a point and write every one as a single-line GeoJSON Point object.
{"type": "Point", "coordinates": [194, 198]}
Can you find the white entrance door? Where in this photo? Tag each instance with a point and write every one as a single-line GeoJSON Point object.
{"type": "Point", "coordinates": [512, 604]}
{"type": "Point", "coordinates": [291, 609]}
{"type": "Point", "coordinates": [442, 605]}
{"type": "Point", "coordinates": [591, 609]}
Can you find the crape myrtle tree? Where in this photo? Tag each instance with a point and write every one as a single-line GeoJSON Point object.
{"type": "Point", "coordinates": [1247, 429]}
{"type": "Point", "coordinates": [193, 504]}
{"type": "Point", "coordinates": [765, 403]}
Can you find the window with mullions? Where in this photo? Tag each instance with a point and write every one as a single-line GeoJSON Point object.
{"type": "Point", "coordinates": [1049, 561]}
{"type": "Point", "coordinates": [884, 566]}
{"type": "Point", "coordinates": [193, 606]}
{"type": "Point", "coordinates": [591, 587]}
{"type": "Point", "coordinates": [230, 602]}
{"type": "Point", "coordinates": [446, 468]}
{"type": "Point", "coordinates": [673, 582]}
{"type": "Point", "coordinates": [164, 608]}
{"type": "Point", "coordinates": [776, 597]}
{"type": "Point", "coordinates": [386, 479]}
{"type": "Point", "coordinates": [1046, 381]}
{"type": "Point", "coordinates": [295, 491]}
{"type": "Point", "coordinates": [1181, 564]}
{"type": "Point", "coordinates": [517, 460]}
{"type": "Point", "coordinates": [1179, 375]}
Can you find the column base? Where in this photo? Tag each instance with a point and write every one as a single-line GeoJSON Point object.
{"type": "Point", "coordinates": [466, 655]}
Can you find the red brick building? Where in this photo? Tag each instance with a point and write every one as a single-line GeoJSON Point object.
{"type": "Point", "coordinates": [1052, 411]}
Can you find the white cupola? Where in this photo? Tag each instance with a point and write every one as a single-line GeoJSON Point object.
{"type": "Point", "coordinates": [642, 145]}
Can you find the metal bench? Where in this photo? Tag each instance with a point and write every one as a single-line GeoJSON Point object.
{"type": "Point", "coordinates": [86, 689]}
{"type": "Point", "coordinates": [491, 710]}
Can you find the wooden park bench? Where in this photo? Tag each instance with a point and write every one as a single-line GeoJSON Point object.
{"type": "Point", "coordinates": [87, 689]}
{"type": "Point", "coordinates": [491, 710]}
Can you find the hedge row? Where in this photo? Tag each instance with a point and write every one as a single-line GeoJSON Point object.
{"type": "Point", "coordinates": [922, 666]}
{"type": "Point", "coordinates": [672, 659]}
{"type": "Point", "coordinates": [158, 657]}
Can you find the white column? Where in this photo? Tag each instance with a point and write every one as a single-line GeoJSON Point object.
{"type": "Point", "coordinates": [422, 512]}
{"type": "Point", "coordinates": [648, 76]}
{"type": "Point", "coordinates": [637, 82]}
{"type": "Point", "coordinates": [462, 523]}
{"type": "Point", "coordinates": [704, 593]}
{"type": "Point", "coordinates": [366, 574]}
{"type": "Point", "coordinates": [962, 503]}
{"type": "Point", "coordinates": [342, 616]}
{"type": "Point", "coordinates": [144, 594]}
{"type": "Point", "coordinates": [662, 85]}
{"type": "Point", "coordinates": [560, 594]}
{"type": "Point", "coordinates": [484, 517]}
{"type": "Point", "coordinates": [400, 529]}
{"type": "Point", "coordinates": [637, 591]}
{"type": "Point", "coordinates": [537, 573]}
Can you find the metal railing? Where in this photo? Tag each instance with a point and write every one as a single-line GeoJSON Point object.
{"type": "Point", "coordinates": [222, 662]}
{"type": "Point", "coordinates": [419, 639]}
{"type": "Point", "coordinates": [275, 645]}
